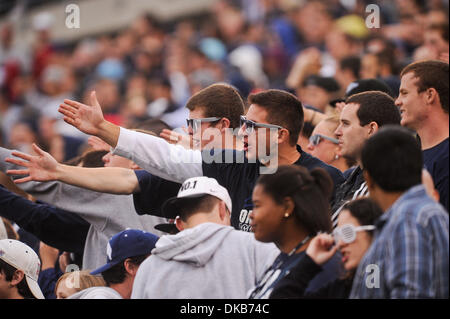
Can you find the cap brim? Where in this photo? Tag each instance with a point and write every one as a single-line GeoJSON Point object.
{"type": "Point", "coordinates": [34, 288]}
{"type": "Point", "coordinates": [167, 228]}
{"type": "Point", "coordinates": [171, 207]}
{"type": "Point", "coordinates": [103, 268]}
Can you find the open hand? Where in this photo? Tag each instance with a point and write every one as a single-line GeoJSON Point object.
{"type": "Point", "coordinates": [42, 167]}
{"type": "Point", "coordinates": [86, 118]}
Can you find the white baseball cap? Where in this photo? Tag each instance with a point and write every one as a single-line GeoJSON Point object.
{"type": "Point", "coordinates": [23, 257]}
{"type": "Point", "coordinates": [192, 188]}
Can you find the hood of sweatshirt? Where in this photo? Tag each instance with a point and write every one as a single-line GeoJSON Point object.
{"type": "Point", "coordinates": [195, 245]}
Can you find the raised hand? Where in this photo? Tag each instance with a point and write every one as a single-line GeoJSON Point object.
{"type": "Point", "coordinates": [86, 118]}
{"type": "Point", "coordinates": [42, 167]}
{"type": "Point", "coordinates": [321, 248]}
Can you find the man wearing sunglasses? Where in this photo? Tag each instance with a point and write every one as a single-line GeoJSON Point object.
{"type": "Point", "coordinates": [273, 122]}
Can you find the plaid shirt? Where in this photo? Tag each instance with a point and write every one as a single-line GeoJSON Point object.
{"type": "Point", "coordinates": [409, 257]}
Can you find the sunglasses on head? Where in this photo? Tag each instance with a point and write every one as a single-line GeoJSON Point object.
{"type": "Point", "coordinates": [347, 232]}
{"type": "Point", "coordinates": [317, 138]}
{"type": "Point", "coordinates": [250, 125]}
{"type": "Point", "coordinates": [195, 124]}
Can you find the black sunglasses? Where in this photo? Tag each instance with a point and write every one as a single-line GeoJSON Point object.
{"type": "Point", "coordinates": [250, 125]}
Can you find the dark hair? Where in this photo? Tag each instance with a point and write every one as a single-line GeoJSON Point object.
{"type": "Point", "coordinates": [431, 74]}
{"type": "Point", "coordinates": [22, 287]}
{"type": "Point", "coordinates": [190, 206]}
{"type": "Point", "coordinates": [283, 109]}
{"type": "Point", "coordinates": [310, 192]}
{"type": "Point", "coordinates": [153, 125]}
{"type": "Point", "coordinates": [393, 159]}
{"type": "Point", "coordinates": [219, 100]}
{"type": "Point", "coordinates": [352, 63]}
{"type": "Point", "coordinates": [365, 210]}
{"type": "Point", "coordinates": [442, 28]}
{"type": "Point", "coordinates": [375, 106]}
{"type": "Point", "coordinates": [93, 159]}
{"type": "Point", "coordinates": [117, 273]}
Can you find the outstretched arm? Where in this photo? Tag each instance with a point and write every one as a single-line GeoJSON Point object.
{"type": "Point", "coordinates": [44, 167]}
{"type": "Point", "coordinates": [171, 162]}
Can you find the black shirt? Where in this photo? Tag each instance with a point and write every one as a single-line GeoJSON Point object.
{"type": "Point", "coordinates": [435, 160]}
{"type": "Point", "coordinates": [240, 176]}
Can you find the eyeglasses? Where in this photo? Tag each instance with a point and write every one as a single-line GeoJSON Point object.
{"type": "Point", "coordinates": [347, 232]}
{"type": "Point", "coordinates": [196, 123]}
{"type": "Point", "coordinates": [250, 125]}
{"type": "Point", "coordinates": [317, 138]}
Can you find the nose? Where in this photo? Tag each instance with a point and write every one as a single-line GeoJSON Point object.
{"type": "Point", "coordinates": [338, 132]}
{"type": "Point", "coordinates": [242, 131]}
{"type": "Point", "coordinates": [310, 147]}
{"type": "Point", "coordinates": [398, 102]}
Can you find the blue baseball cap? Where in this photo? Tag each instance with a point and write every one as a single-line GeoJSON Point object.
{"type": "Point", "coordinates": [126, 244]}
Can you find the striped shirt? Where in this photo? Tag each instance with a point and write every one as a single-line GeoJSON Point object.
{"type": "Point", "coordinates": [409, 257]}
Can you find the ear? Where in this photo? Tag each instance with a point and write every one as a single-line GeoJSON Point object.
{"type": "Point", "coordinates": [373, 128]}
{"type": "Point", "coordinates": [17, 277]}
{"type": "Point", "coordinates": [223, 212]}
{"type": "Point", "coordinates": [283, 136]}
{"type": "Point", "coordinates": [289, 205]}
{"type": "Point", "coordinates": [179, 223]}
{"type": "Point", "coordinates": [130, 267]}
{"type": "Point", "coordinates": [223, 124]}
{"type": "Point", "coordinates": [431, 95]}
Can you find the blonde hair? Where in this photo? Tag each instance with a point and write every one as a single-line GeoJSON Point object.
{"type": "Point", "coordinates": [85, 280]}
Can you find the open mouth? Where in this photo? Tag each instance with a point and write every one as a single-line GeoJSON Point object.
{"type": "Point", "coordinates": [245, 146]}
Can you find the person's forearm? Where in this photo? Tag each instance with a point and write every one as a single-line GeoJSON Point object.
{"type": "Point", "coordinates": [113, 180]}
{"type": "Point", "coordinates": [155, 155]}
{"type": "Point", "coordinates": [109, 133]}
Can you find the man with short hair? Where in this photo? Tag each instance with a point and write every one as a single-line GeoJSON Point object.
{"type": "Point", "coordinates": [423, 103]}
{"type": "Point", "coordinates": [126, 251]}
{"type": "Point", "coordinates": [272, 127]}
{"type": "Point", "coordinates": [207, 259]}
{"type": "Point", "coordinates": [409, 256]}
{"type": "Point", "coordinates": [362, 116]}
{"type": "Point", "coordinates": [19, 271]}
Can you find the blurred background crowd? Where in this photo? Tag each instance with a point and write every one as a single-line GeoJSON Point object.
{"type": "Point", "coordinates": [149, 69]}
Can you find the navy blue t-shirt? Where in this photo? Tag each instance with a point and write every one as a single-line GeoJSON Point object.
{"type": "Point", "coordinates": [154, 192]}
{"type": "Point", "coordinates": [435, 160]}
{"type": "Point", "coordinates": [239, 178]}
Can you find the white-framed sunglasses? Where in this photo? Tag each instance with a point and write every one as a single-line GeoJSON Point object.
{"type": "Point", "coordinates": [347, 232]}
{"type": "Point", "coordinates": [317, 138]}
{"type": "Point", "coordinates": [196, 123]}
{"type": "Point", "coordinates": [250, 125]}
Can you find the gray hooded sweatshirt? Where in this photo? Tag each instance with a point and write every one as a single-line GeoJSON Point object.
{"type": "Point", "coordinates": [108, 214]}
{"type": "Point", "coordinates": [209, 261]}
{"type": "Point", "coordinates": [96, 293]}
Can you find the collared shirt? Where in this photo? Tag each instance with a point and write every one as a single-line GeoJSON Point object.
{"type": "Point", "coordinates": [409, 257]}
